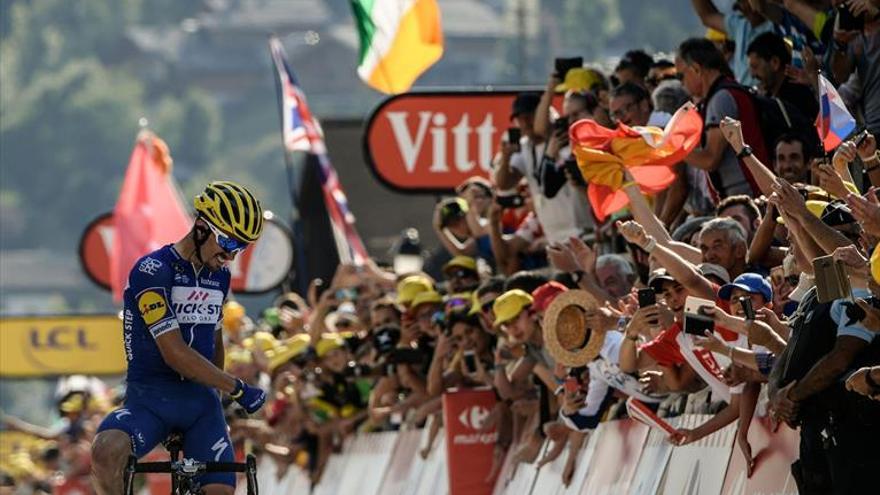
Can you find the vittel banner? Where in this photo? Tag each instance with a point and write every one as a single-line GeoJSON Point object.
{"type": "Point", "coordinates": [431, 142]}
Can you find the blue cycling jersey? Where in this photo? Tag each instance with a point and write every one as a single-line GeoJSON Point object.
{"type": "Point", "coordinates": [165, 292]}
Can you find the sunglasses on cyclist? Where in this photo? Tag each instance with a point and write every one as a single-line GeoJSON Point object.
{"type": "Point", "coordinates": [227, 243]}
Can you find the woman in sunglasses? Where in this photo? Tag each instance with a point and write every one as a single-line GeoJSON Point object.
{"type": "Point", "coordinates": [172, 329]}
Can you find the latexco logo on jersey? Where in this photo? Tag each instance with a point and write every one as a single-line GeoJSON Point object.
{"type": "Point", "coordinates": [196, 304]}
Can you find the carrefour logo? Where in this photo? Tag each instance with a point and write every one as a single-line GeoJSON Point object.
{"type": "Point", "coordinates": [196, 305]}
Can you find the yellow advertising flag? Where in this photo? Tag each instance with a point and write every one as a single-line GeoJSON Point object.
{"type": "Point", "coordinates": [61, 345]}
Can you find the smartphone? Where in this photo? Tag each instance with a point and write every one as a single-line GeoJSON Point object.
{"type": "Point", "coordinates": [513, 135]}
{"type": "Point", "coordinates": [470, 361]}
{"type": "Point", "coordinates": [695, 321]}
{"type": "Point", "coordinates": [348, 294]}
{"type": "Point", "coordinates": [847, 21]}
{"type": "Point", "coordinates": [647, 297]}
{"type": "Point", "coordinates": [438, 318]}
{"type": "Point", "coordinates": [746, 303]}
{"type": "Point", "coordinates": [832, 282]}
{"type": "Point", "coordinates": [571, 385]}
{"type": "Point", "coordinates": [560, 125]}
{"type": "Point", "coordinates": [563, 65]}
{"type": "Point", "coordinates": [861, 138]}
{"type": "Point", "coordinates": [510, 200]}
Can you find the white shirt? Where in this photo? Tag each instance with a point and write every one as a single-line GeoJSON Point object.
{"type": "Point", "coordinates": [563, 216]}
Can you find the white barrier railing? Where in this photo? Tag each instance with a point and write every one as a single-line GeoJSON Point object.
{"type": "Point", "coordinates": [618, 457]}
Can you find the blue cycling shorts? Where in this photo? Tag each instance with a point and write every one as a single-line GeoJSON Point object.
{"type": "Point", "coordinates": [151, 412]}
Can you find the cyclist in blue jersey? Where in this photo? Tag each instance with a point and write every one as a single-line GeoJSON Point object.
{"type": "Point", "coordinates": [174, 345]}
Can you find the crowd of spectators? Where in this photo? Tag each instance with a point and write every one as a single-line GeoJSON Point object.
{"type": "Point", "coordinates": [764, 238]}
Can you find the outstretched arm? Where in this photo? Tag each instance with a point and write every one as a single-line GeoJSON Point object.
{"type": "Point", "coordinates": [709, 14]}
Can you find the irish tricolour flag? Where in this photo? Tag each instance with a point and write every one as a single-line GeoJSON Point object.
{"type": "Point", "coordinates": [400, 39]}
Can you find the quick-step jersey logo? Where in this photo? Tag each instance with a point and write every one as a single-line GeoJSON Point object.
{"type": "Point", "coordinates": [196, 304]}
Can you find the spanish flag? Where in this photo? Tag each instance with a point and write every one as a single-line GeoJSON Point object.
{"type": "Point", "coordinates": [648, 153]}
{"type": "Point", "coordinates": [399, 40]}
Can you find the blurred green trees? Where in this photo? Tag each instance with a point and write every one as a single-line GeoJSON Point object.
{"type": "Point", "coordinates": [69, 110]}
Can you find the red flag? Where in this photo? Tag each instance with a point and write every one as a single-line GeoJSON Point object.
{"type": "Point", "coordinates": [148, 213]}
{"type": "Point", "coordinates": [648, 153]}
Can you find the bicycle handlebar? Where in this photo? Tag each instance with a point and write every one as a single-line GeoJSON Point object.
{"type": "Point", "coordinates": [208, 467]}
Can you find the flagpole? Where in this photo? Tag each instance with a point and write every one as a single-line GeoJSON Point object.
{"type": "Point", "coordinates": [301, 275]}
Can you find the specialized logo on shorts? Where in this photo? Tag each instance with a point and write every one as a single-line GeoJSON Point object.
{"type": "Point", "coordinates": [219, 447]}
{"type": "Point", "coordinates": [196, 304]}
{"type": "Point", "coordinates": [152, 306]}
{"type": "Point", "coordinates": [150, 266]}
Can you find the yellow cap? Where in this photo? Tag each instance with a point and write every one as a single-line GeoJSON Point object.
{"type": "Point", "coordinates": [510, 304]}
{"type": "Point", "coordinates": [465, 262]}
{"type": "Point", "coordinates": [233, 312]}
{"type": "Point", "coordinates": [429, 297]}
{"type": "Point", "coordinates": [288, 350]}
{"type": "Point", "coordinates": [475, 305]}
{"type": "Point", "coordinates": [236, 355]}
{"type": "Point", "coordinates": [875, 264]}
{"type": "Point", "coordinates": [715, 35]}
{"type": "Point", "coordinates": [816, 207]}
{"type": "Point", "coordinates": [263, 340]}
{"type": "Point", "coordinates": [410, 287]}
{"type": "Point", "coordinates": [579, 79]}
{"type": "Point", "coordinates": [74, 403]}
{"type": "Point", "coordinates": [328, 342]}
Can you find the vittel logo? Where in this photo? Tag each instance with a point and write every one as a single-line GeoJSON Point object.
{"type": "Point", "coordinates": [432, 142]}
{"type": "Point", "coordinates": [416, 132]}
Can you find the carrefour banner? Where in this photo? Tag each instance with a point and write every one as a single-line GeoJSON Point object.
{"type": "Point", "coordinates": [469, 446]}
{"type": "Point", "coordinates": [61, 345]}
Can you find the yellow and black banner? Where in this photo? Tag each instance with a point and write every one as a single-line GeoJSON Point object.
{"type": "Point", "coordinates": [61, 345]}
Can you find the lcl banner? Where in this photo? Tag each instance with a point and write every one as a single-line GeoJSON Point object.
{"type": "Point", "coordinates": [63, 345]}
{"type": "Point", "coordinates": [260, 268]}
{"type": "Point", "coordinates": [469, 449]}
{"type": "Point", "coordinates": [430, 142]}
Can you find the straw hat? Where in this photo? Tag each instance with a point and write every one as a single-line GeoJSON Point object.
{"type": "Point", "coordinates": [566, 335]}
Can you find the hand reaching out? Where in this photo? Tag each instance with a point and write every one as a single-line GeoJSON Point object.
{"type": "Point", "coordinates": [583, 254]}
{"type": "Point", "coordinates": [711, 342]}
{"type": "Point", "coordinates": [866, 209]}
{"type": "Point", "coordinates": [831, 181]}
{"type": "Point", "coordinates": [634, 233]}
{"type": "Point", "coordinates": [562, 258]}
{"type": "Point", "coordinates": [731, 129]}
{"type": "Point", "coordinates": [788, 199]}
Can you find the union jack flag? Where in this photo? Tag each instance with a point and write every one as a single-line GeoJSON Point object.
{"type": "Point", "coordinates": [300, 131]}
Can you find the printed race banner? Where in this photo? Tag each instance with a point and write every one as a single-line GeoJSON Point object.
{"type": "Point", "coordinates": [430, 142]}
{"type": "Point", "coordinates": [620, 444]}
{"type": "Point", "coordinates": [773, 452]}
{"type": "Point", "coordinates": [468, 449]}
{"type": "Point", "coordinates": [698, 468]}
{"type": "Point", "coordinates": [652, 463]}
{"type": "Point", "coordinates": [61, 345]}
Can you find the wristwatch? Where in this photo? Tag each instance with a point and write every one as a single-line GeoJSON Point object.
{"type": "Point", "coordinates": [746, 151]}
{"type": "Point", "coordinates": [577, 276]}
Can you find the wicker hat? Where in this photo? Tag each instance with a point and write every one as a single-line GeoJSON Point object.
{"type": "Point", "coordinates": [566, 335]}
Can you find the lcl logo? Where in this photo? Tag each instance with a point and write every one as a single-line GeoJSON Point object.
{"type": "Point", "coordinates": [60, 338]}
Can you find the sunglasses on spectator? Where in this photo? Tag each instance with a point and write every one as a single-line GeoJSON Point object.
{"type": "Point", "coordinates": [487, 306]}
{"type": "Point", "coordinates": [227, 243]}
{"type": "Point", "coordinates": [457, 302]}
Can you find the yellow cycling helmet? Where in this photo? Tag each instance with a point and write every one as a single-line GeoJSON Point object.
{"type": "Point", "coordinates": [231, 208]}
